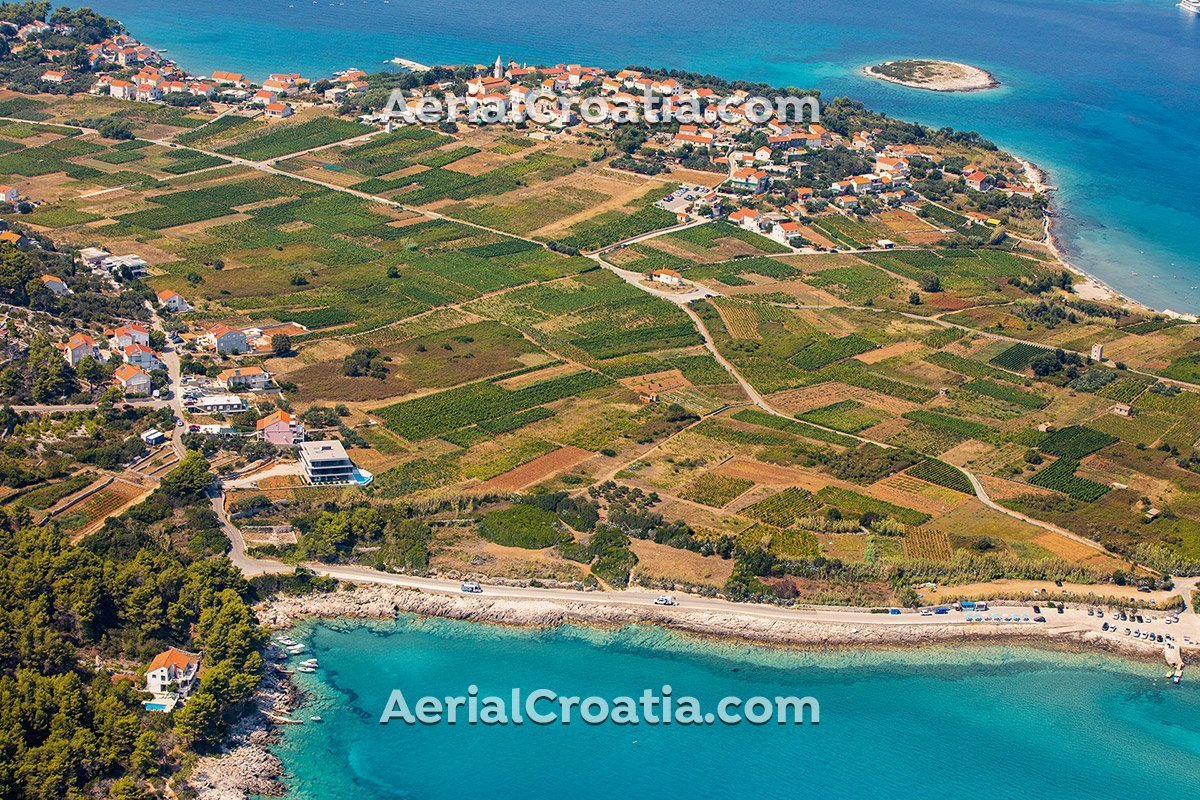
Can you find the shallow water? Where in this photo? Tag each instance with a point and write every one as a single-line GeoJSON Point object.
{"type": "Point", "coordinates": [995, 722]}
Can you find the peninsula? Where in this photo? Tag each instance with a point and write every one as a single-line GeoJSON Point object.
{"type": "Point", "coordinates": [934, 75]}
{"type": "Point", "coordinates": [813, 380]}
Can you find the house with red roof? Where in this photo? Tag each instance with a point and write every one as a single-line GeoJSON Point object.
{"type": "Point", "coordinates": [244, 378]}
{"type": "Point", "coordinates": [141, 356]}
{"type": "Point", "coordinates": [173, 301]}
{"type": "Point", "coordinates": [225, 339]}
{"type": "Point", "coordinates": [77, 348]}
{"type": "Point", "coordinates": [132, 380]}
{"type": "Point", "coordinates": [667, 277]}
{"type": "Point", "coordinates": [746, 217]}
{"type": "Point", "coordinates": [753, 180]}
{"type": "Point", "coordinates": [55, 285]}
{"type": "Point", "coordinates": [280, 428]}
{"type": "Point", "coordinates": [979, 181]}
{"type": "Point", "coordinates": [171, 677]}
{"type": "Point", "coordinates": [236, 78]}
{"type": "Point", "coordinates": [133, 333]}
{"type": "Point", "coordinates": [122, 90]}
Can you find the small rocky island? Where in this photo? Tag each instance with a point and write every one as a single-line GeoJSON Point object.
{"type": "Point", "coordinates": [933, 75]}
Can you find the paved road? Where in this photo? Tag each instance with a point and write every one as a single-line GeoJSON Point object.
{"type": "Point", "coordinates": [1073, 620]}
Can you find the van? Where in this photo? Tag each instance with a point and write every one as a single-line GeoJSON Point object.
{"type": "Point", "coordinates": [471, 587]}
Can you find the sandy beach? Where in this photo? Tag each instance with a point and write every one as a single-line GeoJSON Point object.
{"type": "Point", "coordinates": [934, 75]}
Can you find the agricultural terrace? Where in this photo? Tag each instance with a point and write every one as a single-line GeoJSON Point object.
{"type": "Point", "coordinates": [427, 284]}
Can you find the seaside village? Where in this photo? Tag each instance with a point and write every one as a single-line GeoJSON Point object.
{"type": "Point", "coordinates": [754, 159]}
{"type": "Point", "coordinates": [769, 179]}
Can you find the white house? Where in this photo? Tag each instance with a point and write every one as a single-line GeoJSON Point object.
{"type": "Point", "coordinates": [9, 194]}
{"type": "Point", "coordinates": [225, 339]}
{"type": "Point", "coordinates": [667, 277]}
{"type": "Point", "coordinates": [141, 356]}
{"type": "Point", "coordinates": [90, 256]}
{"type": "Point", "coordinates": [171, 676]}
{"type": "Point", "coordinates": [77, 348]}
{"type": "Point", "coordinates": [132, 262]}
{"type": "Point", "coordinates": [55, 285]}
{"type": "Point", "coordinates": [122, 90]}
{"type": "Point", "coordinates": [132, 380]}
{"type": "Point", "coordinates": [326, 462]}
{"type": "Point", "coordinates": [221, 404]}
{"type": "Point", "coordinates": [747, 218]}
{"type": "Point", "coordinates": [244, 378]}
{"type": "Point", "coordinates": [122, 337]}
{"type": "Point", "coordinates": [173, 301]}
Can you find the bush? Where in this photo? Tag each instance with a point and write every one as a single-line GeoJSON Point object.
{"type": "Point", "coordinates": [523, 525]}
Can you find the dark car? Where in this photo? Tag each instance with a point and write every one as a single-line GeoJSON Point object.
{"type": "Point", "coordinates": [1039, 618]}
{"type": "Point", "coordinates": [1037, 609]}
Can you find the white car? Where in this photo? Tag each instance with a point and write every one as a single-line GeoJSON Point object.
{"type": "Point", "coordinates": [665, 600]}
{"type": "Point", "coordinates": [471, 587]}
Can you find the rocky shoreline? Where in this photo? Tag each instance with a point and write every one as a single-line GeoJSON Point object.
{"type": "Point", "coordinates": [246, 766]}
{"type": "Point", "coordinates": [384, 602]}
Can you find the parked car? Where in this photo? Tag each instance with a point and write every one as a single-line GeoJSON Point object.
{"type": "Point", "coordinates": [471, 587]}
{"type": "Point", "coordinates": [665, 600]}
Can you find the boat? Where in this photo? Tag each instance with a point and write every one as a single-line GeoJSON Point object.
{"type": "Point", "coordinates": [305, 669]}
{"type": "Point", "coordinates": [1190, 5]}
{"type": "Point", "coordinates": [315, 718]}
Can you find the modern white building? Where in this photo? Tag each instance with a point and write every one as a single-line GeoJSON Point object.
{"type": "Point", "coordinates": [220, 403]}
{"type": "Point", "coordinates": [326, 462]}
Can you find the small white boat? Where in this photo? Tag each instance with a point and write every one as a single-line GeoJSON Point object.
{"type": "Point", "coordinates": [315, 718]}
{"type": "Point", "coordinates": [305, 669]}
{"type": "Point", "coordinates": [312, 662]}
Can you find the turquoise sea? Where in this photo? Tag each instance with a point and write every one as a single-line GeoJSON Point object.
{"type": "Point", "coordinates": [1105, 94]}
{"type": "Point", "coordinates": [990, 723]}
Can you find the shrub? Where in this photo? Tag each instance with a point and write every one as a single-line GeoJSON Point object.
{"type": "Point", "coordinates": [523, 525]}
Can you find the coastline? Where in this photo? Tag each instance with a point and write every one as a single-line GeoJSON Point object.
{"type": "Point", "coordinates": [1093, 287]}
{"type": "Point", "coordinates": [248, 767]}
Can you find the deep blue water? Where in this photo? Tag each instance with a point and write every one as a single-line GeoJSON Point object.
{"type": "Point", "coordinates": [1103, 93]}
{"type": "Point", "coordinates": [966, 723]}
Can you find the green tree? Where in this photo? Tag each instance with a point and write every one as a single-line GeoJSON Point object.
{"type": "Point", "coordinates": [189, 479]}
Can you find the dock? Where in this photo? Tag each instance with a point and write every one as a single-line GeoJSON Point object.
{"type": "Point", "coordinates": [411, 66]}
{"type": "Point", "coordinates": [1174, 660]}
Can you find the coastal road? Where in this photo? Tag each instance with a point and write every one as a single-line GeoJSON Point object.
{"type": "Point", "coordinates": [845, 623]}
{"type": "Point", "coordinates": [1073, 621]}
